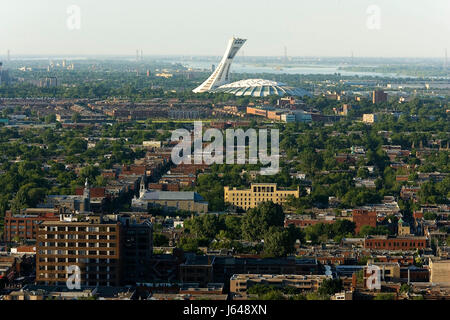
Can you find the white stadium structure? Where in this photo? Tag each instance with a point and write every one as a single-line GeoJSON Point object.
{"type": "Point", "coordinates": [260, 88]}
{"type": "Point", "coordinates": [221, 75]}
{"type": "Point", "coordinates": [219, 81]}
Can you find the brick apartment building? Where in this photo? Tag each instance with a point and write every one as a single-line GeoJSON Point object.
{"type": "Point", "coordinates": [93, 246]}
{"type": "Point", "coordinates": [110, 250]}
{"type": "Point", "coordinates": [379, 96]}
{"type": "Point", "coordinates": [395, 243]}
{"type": "Point", "coordinates": [24, 226]}
{"type": "Point", "coordinates": [364, 218]}
{"type": "Point", "coordinates": [301, 222]}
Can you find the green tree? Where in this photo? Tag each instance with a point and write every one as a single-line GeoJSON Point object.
{"type": "Point", "coordinates": [330, 287]}
{"type": "Point", "coordinates": [277, 243]}
{"type": "Point", "coordinates": [51, 118]}
{"type": "Point", "coordinates": [258, 220]}
{"type": "Point", "coordinates": [76, 117]}
{"type": "Point", "coordinates": [384, 296]}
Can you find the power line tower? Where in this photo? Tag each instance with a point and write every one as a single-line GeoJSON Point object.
{"type": "Point", "coordinates": [445, 60]}
{"type": "Point", "coordinates": [285, 54]}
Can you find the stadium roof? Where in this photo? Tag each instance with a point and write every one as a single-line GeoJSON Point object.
{"type": "Point", "coordinates": [260, 88]}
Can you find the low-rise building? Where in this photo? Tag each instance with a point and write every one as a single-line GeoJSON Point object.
{"type": "Point", "coordinates": [439, 271]}
{"type": "Point", "coordinates": [24, 226]}
{"type": "Point", "coordinates": [258, 193]}
{"type": "Point", "coordinates": [170, 201]}
{"type": "Point", "coordinates": [240, 283]}
{"type": "Point", "coordinates": [39, 292]}
{"type": "Point", "coordinates": [370, 118]}
{"type": "Point", "coordinates": [395, 243]}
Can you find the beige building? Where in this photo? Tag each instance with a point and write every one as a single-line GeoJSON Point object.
{"type": "Point", "coordinates": [369, 118]}
{"type": "Point", "coordinates": [240, 283]}
{"type": "Point", "coordinates": [258, 193]}
{"type": "Point", "coordinates": [152, 144]}
{"type": "Point", "coordinates": [389, 271]}
{"type": "Point", "coordinates": [403, 228]}
{"type": "Point", "coordinates": [439, 271]}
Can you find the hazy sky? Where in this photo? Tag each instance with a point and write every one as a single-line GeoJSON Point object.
{"type": "Point", "coordinates": [407, 28]}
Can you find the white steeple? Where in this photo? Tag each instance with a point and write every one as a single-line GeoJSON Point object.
{"type": "Point", "coordinates": [87, 196]}
{"type": "Point", "coordinates": [87, 190]}
{"type": "Point", "coordinates": [142, 189]}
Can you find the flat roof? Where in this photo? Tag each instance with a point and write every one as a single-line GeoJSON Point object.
{"type": "Point", "coordinates": [172, 195]}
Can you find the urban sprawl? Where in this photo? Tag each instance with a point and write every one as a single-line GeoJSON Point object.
{"type": "Point", "coordinates": [359, 209]}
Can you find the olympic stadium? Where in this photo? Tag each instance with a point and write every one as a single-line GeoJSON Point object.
{"type": "Point", "coordinates": [219, 81]}
{"type": "Point", "coordinates": [260, 88]}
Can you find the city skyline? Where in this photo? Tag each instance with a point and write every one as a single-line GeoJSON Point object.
{"type": "Point", "coordinates": [325, 29]}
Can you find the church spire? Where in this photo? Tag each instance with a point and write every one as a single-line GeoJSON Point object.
{"type": "Point", "coordinates": [87, 196]}
{"type": "Point", "coordinates": [142, 189]}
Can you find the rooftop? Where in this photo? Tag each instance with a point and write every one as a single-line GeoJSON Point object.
{"type": "Point", "coordinates": [172, 195]}
{"type": "Point", "coordinates": [261, 88]}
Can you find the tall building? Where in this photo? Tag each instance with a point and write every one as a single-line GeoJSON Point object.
{"type": "Point", "coordinates": [4, 74]}
{"type": "Point", "coordinates": [221, 74]}
{"type": "Point", "coordinates": [137, 250]}
{"type": "Point", "coordinates": [49, 82]}
{"type": "Point", "coordinates": [92, 245]}
{"type": "Point", "coordinates": [364, 218]}
{"type": "Point", "coordinates": [445, 60]}
{"type": "Point", "coordinates": [285, 55]}
{"type": "Point", "coordinates": [379, 96]}
{"type": "Point", "coordinates": [258, 193]}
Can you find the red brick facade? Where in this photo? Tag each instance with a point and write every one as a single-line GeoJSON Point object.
{"type": "Point", "coordinates": [364, 218]}
{"type": "Point", "coordinates": [24, 226]}
{"type": "Point", "coordinates": [388, 243]}
{"type": "Point", "coordinates": [303, 223]}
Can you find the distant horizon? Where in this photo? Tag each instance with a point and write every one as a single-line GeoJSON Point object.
{"type": "Point", "coordinates": [17, 57]}
{"type": "Point", "coordinates": [324, 28]}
